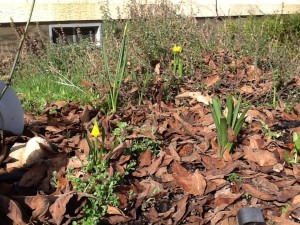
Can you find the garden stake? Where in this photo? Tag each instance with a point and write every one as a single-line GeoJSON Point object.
{"type": "Point", "coordinates": [18, 52]}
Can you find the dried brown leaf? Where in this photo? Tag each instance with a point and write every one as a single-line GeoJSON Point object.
{"type": "Point", "coordinates": [173, 152]}
{"type": "Point", "coordinates": [280, 220]}
{"type": "Point", "coordinates": [224, 200]}
{"type": "Point", "coordinates": [60, 104]}
{"type": "Point", "coordinates": [114, 211]}
{"type": "Point", "coordinates": [40, 205]}
{"type": "Point", "coordinates": [12, 210]}
{"type": "Point", "coordinates": [181, 209]}
{"type": "Point", "coordinates": [257, 193]}
{"type": "Point", "coordinates": [151, 169]}
{"type": "Point", "coordinates": [192, 183]}
{"type": "Point", "coordinates": [212, 80]}
{"type": "Point", "coordinates": [61, 207]}
{"type": "Point", "coordinates": [246, 89]}
{"type": "Point", "coordinates": [265, 184]}
{"type": "Point", "coordinates": [198, 96]}
{"type": "Point", "coordinates": [145, 158]}
{"type": "Point", "coordinates": [261, 157]}
{"type": "Point", "coordinates": [157, 69]}
{"type": "Point", "coordinates": [117, 219]}
{"type": "Point", "coordinates": [34, 176]}
{"type": "Point", "coordinates": [85, 115]}
{"type": "Point", "coordinates": [221, 171]}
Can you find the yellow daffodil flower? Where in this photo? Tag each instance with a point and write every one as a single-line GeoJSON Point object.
{"type": "Point", "coordinates": [95, 132]}
{"type": "Point", "coordinates": [177, 49]}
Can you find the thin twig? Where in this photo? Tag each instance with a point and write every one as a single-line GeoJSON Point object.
{"type": "Point", "coordinates": [18, 52]}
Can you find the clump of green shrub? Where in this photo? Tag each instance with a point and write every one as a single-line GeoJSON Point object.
{"type": "Point", "coordinates": [58, 70]}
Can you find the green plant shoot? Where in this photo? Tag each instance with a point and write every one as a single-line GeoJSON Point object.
{"type": "Point", "coordinates": [268, 131]}
{"type": "Point", "coordinates": [116, 81]}
{"type": "Point", "coordinates": [223, 124]}
{"type": "Point", "coordinates": [296, 150]}
{"type": "Point", "coordinates": [96, 155]}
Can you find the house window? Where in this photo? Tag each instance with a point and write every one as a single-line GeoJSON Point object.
{"type": "Point", "coordinates": [73, 33]}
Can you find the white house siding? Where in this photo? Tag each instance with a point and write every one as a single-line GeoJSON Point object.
{"type": "Point", "coordinates": [77, 10]}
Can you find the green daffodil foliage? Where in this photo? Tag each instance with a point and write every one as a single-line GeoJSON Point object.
{"type": "Point", "coordinates": [296, 142]}
{"type": "Point", "coordinates": [228, 127]}
{"type": "Point", "coordinates": [177, 64]}
{"type": "Point", "coordinates": [116, 80]}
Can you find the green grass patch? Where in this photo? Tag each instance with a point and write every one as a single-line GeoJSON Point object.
{"type": "Point", "coordinates": [54, 75]}
{"type": "Point", "coordinates": [36, 91]}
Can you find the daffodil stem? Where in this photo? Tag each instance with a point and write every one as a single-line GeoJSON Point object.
{"type": "Point", "coordinates": [175, 63]}
{"type": "Point", "coordinates": [178, 65]}
{"type": "Point", "coordinates": [102, 144]}
{"type": "Point", "coordinates": [180, 68]}
{"type": "Point", "coordinates": [96, 158]}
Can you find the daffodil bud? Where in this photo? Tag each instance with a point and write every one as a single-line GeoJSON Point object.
{"type": "Point", "coordinates": [177, 49]}
{"type": "Point", "coordinates": [95, 132]}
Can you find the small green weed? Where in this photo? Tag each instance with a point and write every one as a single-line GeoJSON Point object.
{"type": "Point", "coordinates": [267, 130]}
{"type": "Point", "coordinates": [54, 181]}
{"type": "Point", "coordinates": [140, 145]}
{"type": "Point", "coordinates": [120, 132]}
{"type": "Point", "coordinates": [142, 82]}
{"type": "Point", "coordinates": [234, 178]}
{"type": "Point", "coordinates": [293, 156]}
{"type": "Point", "coordinates": [151, 199]}
{"type": "Point", "coordinates": [285, 208]}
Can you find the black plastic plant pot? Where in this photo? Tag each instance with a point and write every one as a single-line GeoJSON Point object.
{"type": "Point", "coordinates": [250, 216]}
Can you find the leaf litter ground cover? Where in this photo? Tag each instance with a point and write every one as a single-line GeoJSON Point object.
{"type": "Point", "coordinates": [184, 181]}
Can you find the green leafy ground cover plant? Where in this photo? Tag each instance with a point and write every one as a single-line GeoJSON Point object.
{"type": "Point", "coordinates": [139, 145]}
{"type": "Point", "coordinates": [120, 132]}
{"type": "Point", "coordinates": [96, 180]}
{"type": "Point", "coordinates": [101, 185]}
{"type": "Point", "coordinates": [150, 39]}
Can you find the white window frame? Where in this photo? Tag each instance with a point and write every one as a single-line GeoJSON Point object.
{"type": "Point", "coordinates": [75, 26]}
